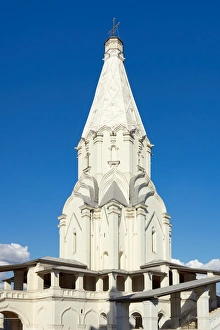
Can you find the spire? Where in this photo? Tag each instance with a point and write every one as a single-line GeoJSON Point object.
{"type": "Point", "coordinates": [113, 103]}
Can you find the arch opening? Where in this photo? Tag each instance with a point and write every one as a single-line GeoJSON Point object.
{"type": "Point", "coordinates": [10, 321]}
{"type": "Point", "coordinates": [136, 321]}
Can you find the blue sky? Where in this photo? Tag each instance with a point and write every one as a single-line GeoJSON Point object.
{"type": "Point", "coordinates": [50, 61]}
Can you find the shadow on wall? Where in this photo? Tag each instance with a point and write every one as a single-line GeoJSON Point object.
{"type": "Point", "coordinates": [107, 317]}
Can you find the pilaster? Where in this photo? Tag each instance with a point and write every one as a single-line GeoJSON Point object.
{"type": "Point", "coordinates": [130, 215]}
{"type": "Point", "coordinates": [128, 140]}
{"type": "Point", "coordinates": [114, 212]}
{"type": "Point", "coordinates": [98, 154]}
{"type": "Point", "coordinates": [96, 247]}
{"type": "Point", "coordinates": [149, 154]}
{"type": "Point", "coordinates": [86, 219]}
{"type": "Point", "coordinates": [79, 156]}
{"type": "Point", "coordinates": [140, 248]}
{"type": "Point", "coordinates": [62, 228]}
{"type": "Point", "coordinates": [167, 235]}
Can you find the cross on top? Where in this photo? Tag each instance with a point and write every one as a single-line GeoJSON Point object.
{"type": "Point", "coordinates": [114, 29]}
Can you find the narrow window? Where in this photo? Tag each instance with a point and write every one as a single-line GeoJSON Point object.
{"type": "Point", "coordinates": [153, 240]}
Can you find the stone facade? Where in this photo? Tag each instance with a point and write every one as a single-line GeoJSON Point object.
{"type": "Point", "coordinates": [114, 208]}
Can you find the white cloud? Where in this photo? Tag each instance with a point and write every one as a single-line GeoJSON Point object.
{"type": "Point", "coordinates": [213, 264]}
{"type": "Point", "coordinates": [13, 253]}
{"type": "Point", "coordinates": [178, 262]}
{"type": "Point", "coordinates": [194, 264]}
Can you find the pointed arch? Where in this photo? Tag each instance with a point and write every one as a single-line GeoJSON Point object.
{"type": "Point", "coordinates": [43, 317]}
{"type": "Point", "coordinates": [114, 175]}
{"type": "Point", "coordinates": [162, 318]}
{"type": "Point", "coordinates": [136, 320]}
{"type": "Point", "coordinates": [24, 319]}
{"type": "Point", "coordinates": [141, 189]}
{"type": "Point", "coordinates": [91, 320]}
{"type": "Point", "coordinates": [86, 189]}
{"type": "Point", "coordinates": [104, 129]}
{"type": "Point", "coordinates": [11, 320]}
{"type": "Point", "coordinates": [70, 319]}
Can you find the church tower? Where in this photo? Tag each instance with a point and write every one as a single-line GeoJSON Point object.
{"type": "Point", "coordinates": [114, 218]}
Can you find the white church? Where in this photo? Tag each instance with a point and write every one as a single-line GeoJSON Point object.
{"type": "Point", "coordinates": [114, 271]}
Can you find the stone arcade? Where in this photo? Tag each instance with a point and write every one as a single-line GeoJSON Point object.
{"type": "Point", "coordinates": [114, 269]}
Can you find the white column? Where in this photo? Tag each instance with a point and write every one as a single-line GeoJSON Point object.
{"type": "Point", "coordinates": [31, 278]}
{"type": "Point", "coordinates": [148, 281]}
{"type": "Point", "coordinates": [79, 282]}
{"type": "Point", "coordinates": [123, 316]}
{"type": "Point", "coordinates": [203, 308]}
{"type": "Point", "coordinates": [150, 315]}
{"type": "Point", "coordinates": [55, 278]}
{"type": "Point", "coordinates": [99, 284]}
{"type": "Point", "coordinates": [165, 281]}
{"type": "Point", "coordinates": [176, 276]}
{"type": "Point", "coordinates": [128, 284]}
{"type": "Point", "coordinates": [34, 280]}
{"type": "Point", "coordinates": [175, 310]}
{"type": "Point", "coordinates": [7, 285]}
{"type": "Point", "coordinates": [39, 282]}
